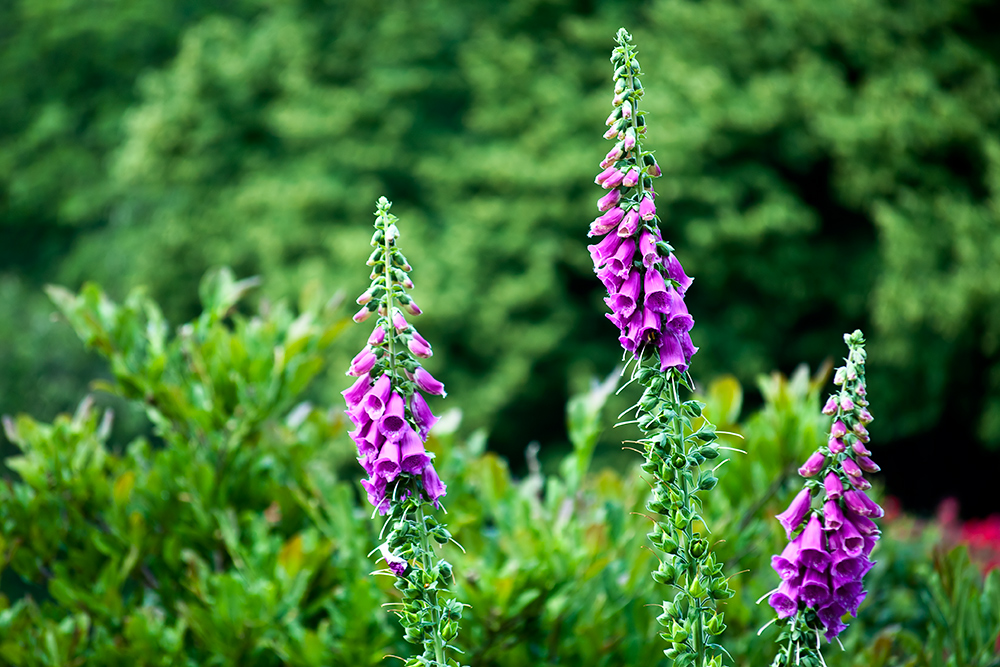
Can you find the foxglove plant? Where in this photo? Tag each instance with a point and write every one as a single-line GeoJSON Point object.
{"type": "Point", "coordinates": [392, 421]}
{"type": "Point", "coordinates": [822, 567]}
{"type": "Point", "coordinates": [646, 286]}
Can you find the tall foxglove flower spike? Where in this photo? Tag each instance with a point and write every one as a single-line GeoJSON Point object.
{"type": "Point", "coordinates": [840, 533]}
{"type": "Point", "coordinates": [646, 288]}
{"type": "Point", "coordinates": [392, 421]}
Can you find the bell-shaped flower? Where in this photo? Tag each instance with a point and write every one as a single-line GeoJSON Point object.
{"type": "Point", "coordinates": [785, 600]}
{"type": "Point", "coordinates": [833, 486]}
{"type": "Point", "coordinates": [413, 458]}
{"type": "Point", "coordinates": [434, 488]}
{"type": "Point", "coordinates": [676, 273]}
{"type": "Point", "coordinates": [387, 463]}
{"type": "Point", "coordinates": [630, 224]}
{"type": "Point", "coordinates": [362, 363]}
{"type": "Point", "coordinates": [833, 516]}
{"type": "Point", "coordinates": [354, 394]}
{"type": "Point", "coordinates": [621, 262]}
{"type": "Point", "coordinates": [426, 382]}
{"type": "Point", "coordinates": [850, 468]}
{"type": "Point", "coordinates": [419, 346]}
{"type": "Point", "coordinates": [815, 590]}
{"type": "Point", "coordinates": [848, 539]}
{"type": "Point", "coordinates": [377, 336]}
{"type": "Point", "coordinates": [812, 465]}
{"type": "Point", "coordinates": [787, 564]}
{"type": "Point", "coordinates": [604, 249]}
{"type": "Point", "coordinates": [647, 248]}
{"type": "Point", "coordinates": [375, 400]}
{"type": "Point", "coordinates": [396, 564]}
{"type": "Point", "coordinates": [609, 201]}
{"type": "Point", "coordinates": [792, 517]}
{"type": "Point", "coordinates": [422, 414]}
{"type": "Point", "coordinates": [647, 209]}
{"type": "Point", "coordinates": [393, 422]}
{"type": "Point", "coordinates": [813, 553]}
{"type": "Point", "coordinates": [625, 300]}
{"type": "Point", "coordinates": [657, 299]}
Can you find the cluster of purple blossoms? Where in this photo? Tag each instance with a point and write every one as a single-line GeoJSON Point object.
{"type": "Point", "coordinates": [645, 281]}
{"type": "Point", "coordinates": [823, 565]}
{"type": "Point", "coordinates": [391, 417]}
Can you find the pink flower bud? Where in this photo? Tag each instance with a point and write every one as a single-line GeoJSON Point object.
{"type": "Point", "coordinates": [647, 209]}
{"type": "Point", "coordinates": [377, 337]}
{"type": "Point", "coordinates": [860, 482]}
{"type": "Point", "coordinates": [626, 109]}
{"type": "Point", "coordinates": [362, 314]}
{"type": "Point", "coordinates": [412, 308]}
{"type": "Point", "coordinates": [850, 468]}
{"type": "Point", "coordinates": [362, 363]}
{"type": "Point", "coordinates": [838, 430]}
{"type": "Point", "coordinates": [604, 175]}
{"type": "Point", "coordinates": [613, 118]}
{"type": "Point", "coordinates": [865, 416]}
{"type": "Point", "coordinates": [812, 465]}
{"type": "Point", "coordinates": [830, 407]}
{"type": "Point", "coordinates": [654, 170]}
{"type": "Point", "coordinates": [399, 321]}
{"type": "Point", "coordinates": [630, 224]}
{"type": "Point", "coordinates": [833, 486]}
{"type": "Point", "coordinates": [605, 223]}
{"type": "Point", "coordinates": [833, 517]}
{"type": "Point", "coordinates": [608, 200]}
{"type": "Point", "coordinates": [631, 178]}
{"type": "Point", "coordinates": [836, 445]}
{"type": "Point", "coordinates": [427, 383]}
{"type": "Point", "coordinates": [860, 449]}
{"type": "Point", "coordinates": [613, 180]}
{"type": "Point", "coordinates": [611, 132]}
{"type": "Point", "coordinates": [419, 346]}
{"type": "Point", "coordinates": [867, 464]}
{"type": "Point", "coordinates": [846, 404]}
{"type": "Point", "coordinates": [628, 143]}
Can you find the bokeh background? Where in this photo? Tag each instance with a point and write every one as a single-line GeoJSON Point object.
{"type": "Point", "coordinates": [827, 166]}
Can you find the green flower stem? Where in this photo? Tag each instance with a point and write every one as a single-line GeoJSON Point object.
{"type": "Point", "coordinates": [427, 560]}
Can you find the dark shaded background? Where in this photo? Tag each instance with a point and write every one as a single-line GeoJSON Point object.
{"type": "Point", "coordinates": [825, 168]}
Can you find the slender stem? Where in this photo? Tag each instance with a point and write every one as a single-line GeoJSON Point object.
{"type": "Point", "coordinates": [390, 332]}
{"type": "Point", "coordinates": [435, 610]}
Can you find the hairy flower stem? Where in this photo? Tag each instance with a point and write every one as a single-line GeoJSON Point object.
{"type": "Point", "coordinates": [392, 422]}
{"type": "Point", "coordinates": [678, 442]}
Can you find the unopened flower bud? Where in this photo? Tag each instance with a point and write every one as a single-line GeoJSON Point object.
{"type": "Point", "coordinates": [860, 449]}
{"type": "Point", "coordinates": [830, 407]}
{"type": "Point", "coordinates": [362, 314]}
{"type": "Point", "coordinates": [838, 430]}
{"type": "Point", "coordinates": [846, 404]}
{"type": "Point", "coordinates": [628, 143]}
{"type": "Point", "coordinates": [647, 209]}
{"type": "Point", "coordinates": [836, 445]}
{"type": "Point", "coordinates": [631, 178]}
{"type": "Point", "coordinates": [850, 468]}
{"type": "Point", "coordinates": [839, 376]}
{"type": "Point", "coordinates": [865, 416]}
{"type": "Point", "coordinates": [812, 465]}
{"type": "Point", "coordinates": [608, 200]}
{"type": "Point", "coordinates": [833, 486]}
{"type": "Point", "coordinates": [867, 464]}
{"type": "Point", "coordinates": [626, 109]}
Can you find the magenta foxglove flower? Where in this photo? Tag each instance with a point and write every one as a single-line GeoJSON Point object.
{"type": "Point", "coordinates": [792, 517]}
{"type": "Point", "coordinates": [392, 419]}
{"type": "Point", "coordinates": [650, 320]}
{"type": "Point", "coordinates": [827, 562]}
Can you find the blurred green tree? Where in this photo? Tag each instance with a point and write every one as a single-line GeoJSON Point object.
{"type": "Point", "coordinates": [828, 166]}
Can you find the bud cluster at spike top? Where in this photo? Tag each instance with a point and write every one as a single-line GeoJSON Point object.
{"type": "Point", "coordinates": [645, 281]}
{"type": "Point", "coordinates": [823, 565]}
{"type": "Point", "coordinates": [391, 416]}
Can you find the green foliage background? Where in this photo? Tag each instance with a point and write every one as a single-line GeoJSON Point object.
{"type": "Point", "coordinates": [237, 536]}
{"type": "Point", "coordinates": [827, 166]}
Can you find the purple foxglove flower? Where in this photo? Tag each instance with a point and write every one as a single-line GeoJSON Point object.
{"type": "Point", "coordinates": [846, 568]}
{"type": "Point", "coordinates": [854, 502]}
{"type": "Point", "coordinates": [356, 392]}
{"type": "Point", "coordinates": [362, 363]}
{"type": "Point", "coordinates": [613, 156]}
{"type": "Point", "coordinates": [866, 527]}
{"type": "Point", "coordinates": [870, 541]}
{"type": "Point", "coordinates": [393, 422]}
{"type": "Point", "coordinates": [812, 465]}
{"type": "Point", "coordinates": [815, 590]}
{"type": "Point", "coordinates": [647, 248]}
{"type": "Point", "coordinates": [850, 468]}
{"type": "Point", "coordinates": [836, 445]}
{"type": "Point", "coordinates": [604, 249]}
{"type": "Point", "coordinates": [609, 276]}
{"type": "Point", "coordinates": [413, 457]}
{"type": "Point", "coordinates": [847, 539]}
{"type": "Point", "coordinates": [833, 630]}
{"type": "Point", "coordinates": [607, 222]}
{"type": "Point", "coordinates": [621, 262]}
{"type": "Point", "coordinates": [625, 301]}
{"type": "Point", "coordinates": [427, 383]}
{"type": "Point", "coordinates": [626, 109]}
{"type": "Point", "coordinates": [832, 515]}
{"type": "Point", "coordinates": [671, 351]}
{"type": "Point", "coordinates": [830, 408]}
{"type": "Point", "coordinates": [860, 449]}
{"type": "Point", "coordinates": [609, 200]}
{"type": "Point", "coordinates": [412, 308]}
{"type": "Point", "coordinates": [375, 488]}
{"type": "Point", "coordinates": [813, 553]}
{"type": "Point", "coordinates": [399, 321]}
{"type": "Point", "coordinates": [792, 517]}
{"type": "Point", "coordinates": [362, 437]}
{"type": "Point", "coordinates": [657, 298]}
{"type": "Point", "coordinates": [630, 223]}
{"type": "Point", "coordinates": [631, 178]}
{"type": "Point", "coordinates": [830, 616]}
{"type": "Point", "coordinates": [838, 430]}
{"type": "Point", "coordinates": [613, 180]}
{"type": "Point", "coordinates": [833, 486]}
{"type": "Point", "coordinates": [647, 209]}
{"type": "Point", "coordinates": [628, 143]}
{"type": "Point", "coordinates": [396, 564]}
{"type": "Point", "coordinates": [676, 273]}
{"type": "Point", "coordinates": [649, 329]}
{"type": "Point", "coordinates": [387, 463]}
{"type": "Point", "coordinates": [367, 462]}
{"type": "Point", "coordinates": [419, 346]}
{"type": "Point", "coordinates": [862, 432]}
{"type": "Point", "coordinates": [377, 337]}
{"type": "Point", "coordinates": [867, 464]}
{"type": "Point", "coordinates": [678, 317]}
{"type": "Point", "coordinates": [847, 592]}
{"type": "Point", "coordinates": [362, 314]}
{"type": "Point", "coordinates": [860, 483]}
{"type": "Point", "coordinates": [434, 488]}
{"type": "Point", "coordinates": [606, 174]}
{"type": "Point", "coordinates": [787, 564]}
{"type": "Point", "coordinates": [785, 600]}
{"type": "Point", "coordinates": [865, 416]}
{"type": "Point", "coordinates": [376, 399]}
{"type": "Point", "coordinates": [422, 414]}
{"type": "Point", "coordinates": [846, 404]}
